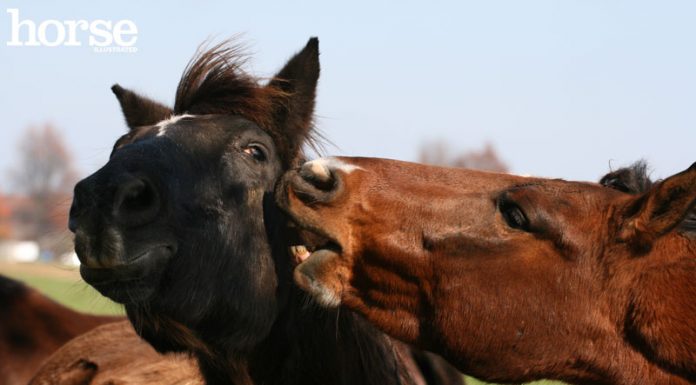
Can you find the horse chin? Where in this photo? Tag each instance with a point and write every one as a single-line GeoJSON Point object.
{"type": "Point", "coordinates": [127, 293]}
{"type": "Point", "coordinates": [131, 282]}
{"type": "Point", "coordinates": [317, 258]}
{"type": "Point", "coordinates": [314, 275]}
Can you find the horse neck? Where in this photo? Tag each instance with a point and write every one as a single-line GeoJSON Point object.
{"type": "Point", "coordinates": [611, 362]}
{"type": "Point", "coordinates": [630, 370]}
{"type": "Point", "coordinates": [313, 345]}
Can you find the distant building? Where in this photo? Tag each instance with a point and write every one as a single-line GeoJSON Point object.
{"type": "Point", "coordinates": [19, 251]}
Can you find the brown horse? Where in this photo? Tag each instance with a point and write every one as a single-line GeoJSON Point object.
{"type": "Point", "coordinates": [114, 354]}
{"type": "Point", "coordinates": [32, 327]}
{"type": "Point", "coordinates": [510, 278]}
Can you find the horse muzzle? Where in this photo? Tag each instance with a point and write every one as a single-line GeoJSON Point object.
{"type": "Point", "coordinates": [133, 280]}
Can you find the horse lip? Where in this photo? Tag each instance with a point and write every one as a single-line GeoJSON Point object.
{"type": "Point", "coordinates": [132, 270]}
{"type": "Point", "coordinates": [304, 229]}
{"type": "Point", "coordinates": [305, 277]}
{"type": "Point", "coordinates": [129, 291]}
{"type": "Point", "coordinates": [167, 249]}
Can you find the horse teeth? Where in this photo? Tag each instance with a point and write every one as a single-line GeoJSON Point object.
{"type": "Point", "coordinates": [300, 252]}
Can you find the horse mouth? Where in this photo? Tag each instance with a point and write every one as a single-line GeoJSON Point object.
{"type": "Point", "coordinates": [312, 241]}
{"type": "Point", "coordinates": [315, 260]}
{"type": "Point", "coordinates": [131, 281]}
{"type": "Point", "coordinates": [126, 292]}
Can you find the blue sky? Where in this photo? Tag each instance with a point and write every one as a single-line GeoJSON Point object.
{"type": "Point", "coordinates": [561, 88]}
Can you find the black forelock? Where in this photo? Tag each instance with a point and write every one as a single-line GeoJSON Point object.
{"type": "Point", "coordinates": [633, 179]}
{"type": "Point", "coordinates": [215, 82]}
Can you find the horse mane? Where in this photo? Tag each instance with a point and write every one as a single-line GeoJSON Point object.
{"type": "Point", "coordinates": [634, 179]}
{"type": "Point", "coordinates": [353, 349]}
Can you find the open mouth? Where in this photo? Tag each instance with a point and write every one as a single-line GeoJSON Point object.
{"type": "Point", "coordinates": [311, 242]}
{"type": "Point", "coordinates": [315, 257]}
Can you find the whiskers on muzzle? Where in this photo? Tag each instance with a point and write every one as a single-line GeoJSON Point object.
{"type": "Point", "coordinates": [102, 251]}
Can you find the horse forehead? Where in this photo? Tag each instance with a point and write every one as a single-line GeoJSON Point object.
{"type": "Point", "coordinates": [206, 129]}
{"type": "Point", "coordinates": [162, 126]}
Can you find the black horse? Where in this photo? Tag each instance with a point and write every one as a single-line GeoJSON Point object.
{"type": "Point", "coordinates": [181, 227]}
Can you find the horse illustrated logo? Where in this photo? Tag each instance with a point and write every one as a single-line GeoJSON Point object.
{"type": "Point", "coordinates": [104, 36]}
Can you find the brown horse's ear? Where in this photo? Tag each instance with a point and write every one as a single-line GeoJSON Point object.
{"type": "Point", "coordinates": [294, 110]}
{"type": "Point", "coordinates": [661, 316]}
{"type": "Point", "coordinates": [139, 110]}
{"type": "Point", "coordinates": [660, 209]}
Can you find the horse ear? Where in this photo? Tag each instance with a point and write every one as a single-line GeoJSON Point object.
{"type": "Point", "coordinates": [661, 314]}
{"type": "Point", "coordinates": [294, 110]}
{"type": "Point", "coordinates": [139, 110]}
{"type": "Point", "coordinates": [660, 209]}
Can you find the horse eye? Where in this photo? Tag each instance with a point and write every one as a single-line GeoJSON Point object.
{"type": "Point", "coordinates": [513, 215]}
{"type": "Point", "coordinates": [255, 151]}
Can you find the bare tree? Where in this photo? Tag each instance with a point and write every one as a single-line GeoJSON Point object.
{"type": "Point", "coordinates": [45, 175]}
{"type": "Point", "coordinates": [439, 154]}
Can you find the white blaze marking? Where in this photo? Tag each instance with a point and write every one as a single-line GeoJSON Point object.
{"type": "Point", "coordinates": [322, 167]}
{"type": "Point", "coordinates": [162, 126]}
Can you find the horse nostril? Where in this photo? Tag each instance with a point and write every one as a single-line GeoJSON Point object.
{"type": "Point", "coordinates": [319, 175]}
{"type": "Point", "coordinates": [76, 206]}
{"type": "Point", "coordinates": [136, 202]}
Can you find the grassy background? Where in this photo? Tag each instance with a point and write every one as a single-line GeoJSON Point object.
{"type": "Point", "coordinates": [66, 287]}
{"type": "Point", "coordinates": [62, 285]}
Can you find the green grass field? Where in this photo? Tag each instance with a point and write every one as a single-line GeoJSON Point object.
{"type": "Point", "coordinates": [67, 288]}
{"type": "Point", "coordinates": [63, 286]}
